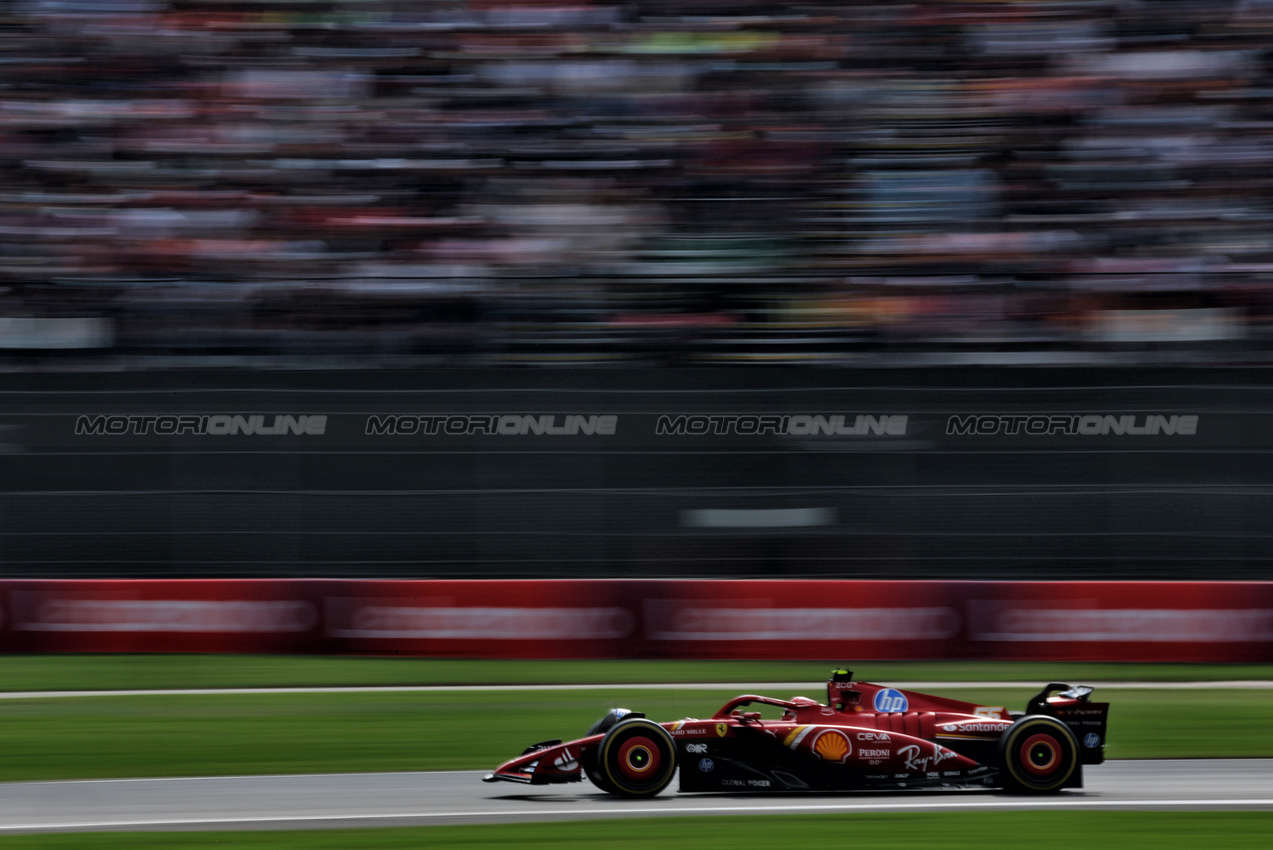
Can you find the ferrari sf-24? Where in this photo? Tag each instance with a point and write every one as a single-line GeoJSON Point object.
{"type": "Point", "coordinates": [866, 737]}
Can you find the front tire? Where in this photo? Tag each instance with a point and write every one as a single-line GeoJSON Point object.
{"type": "Point", "coordinates": [591, 764]}
{"type": "Point", "coordinates": [637, 758]}
{"type": "Point", "coordinates": [1039, 755]}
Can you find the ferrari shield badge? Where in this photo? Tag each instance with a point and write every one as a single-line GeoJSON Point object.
{"type": "Point", "coordinates": [721, 729]}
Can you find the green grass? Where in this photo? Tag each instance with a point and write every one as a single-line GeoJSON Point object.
{"type": "Point", "coordinates": [110, 672]}
{"type": "Point", "coordinates": [979, 830]}
{"type": "Point", "coordinates": [226, 734]}
{"type": "Point", "coordinates": [229, 734]}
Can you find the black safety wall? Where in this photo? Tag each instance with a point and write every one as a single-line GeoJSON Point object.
{"type": "Point", "coordinates": [962, 473]}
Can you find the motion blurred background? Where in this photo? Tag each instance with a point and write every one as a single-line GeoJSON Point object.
{"type": "Point", "coordinates": [351, 209]}
{"type": "Point", "coordinates": [407, 182]}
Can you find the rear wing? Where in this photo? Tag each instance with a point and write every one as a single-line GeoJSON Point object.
{"type": "Point", "coordinates": [1073, 706]}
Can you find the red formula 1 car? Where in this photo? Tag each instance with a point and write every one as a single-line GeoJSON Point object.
{"type": "Point", "coordinates": [866, 737]}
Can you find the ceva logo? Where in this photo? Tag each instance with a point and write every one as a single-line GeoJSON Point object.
{"type": "Point", "coordinates": [889, 699]}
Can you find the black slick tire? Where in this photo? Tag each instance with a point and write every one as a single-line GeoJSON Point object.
{"type": "Point", "coordinates": [637, 758]}
{"type": "Point", "coordinates": [1039, 755]}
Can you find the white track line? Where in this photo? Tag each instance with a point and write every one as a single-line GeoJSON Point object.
{"type": "Point", "coordinates": [234, 777]}
{"type": "Point", "coordinates": [741, 687]}
{"type": "Point", "coordinates": [809, 808]}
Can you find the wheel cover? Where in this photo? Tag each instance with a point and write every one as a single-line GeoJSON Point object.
{"type": "Point", "coordinates": [639, 758]}
{"type": "Point", "coordinates": [1040, 755]}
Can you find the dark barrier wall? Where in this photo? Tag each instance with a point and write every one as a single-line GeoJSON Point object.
{"type": "Point", "coordinates": [780, 619]}
{"type": "Point", "coordinates": [957, 473]}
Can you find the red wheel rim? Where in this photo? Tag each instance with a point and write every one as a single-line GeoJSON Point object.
{"type": "Point", "coordinates": [639, 758]}
{"type": "Point", "coordinates": [1040, 755]}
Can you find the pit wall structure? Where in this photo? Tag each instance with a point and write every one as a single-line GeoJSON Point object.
{"type": "Point", "coordinates": [562, 619]}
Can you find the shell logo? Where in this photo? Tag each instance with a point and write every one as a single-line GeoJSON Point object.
{"type": "Point", "coordinates": [832, 746]}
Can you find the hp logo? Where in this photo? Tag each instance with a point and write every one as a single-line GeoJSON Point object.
{"type": "Point", "coordinates": [888, 699]}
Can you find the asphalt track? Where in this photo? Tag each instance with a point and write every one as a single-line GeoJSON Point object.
{"type": "Point", "coordinates": [459, 797]}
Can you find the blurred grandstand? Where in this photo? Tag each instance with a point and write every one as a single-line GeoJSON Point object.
{"type": "Point", "coordinates": [406, 182]}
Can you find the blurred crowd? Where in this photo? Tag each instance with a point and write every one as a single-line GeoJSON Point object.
{"type": "Point", "coordinates": [405, 181]}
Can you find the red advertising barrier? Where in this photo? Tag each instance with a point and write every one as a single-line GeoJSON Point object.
{"type": "Point", "coordinates": [830, 620]}
{"type": "Point", "coordinates": [194, 615]}
{"type": "Point", "coordinates": [1055, 621]}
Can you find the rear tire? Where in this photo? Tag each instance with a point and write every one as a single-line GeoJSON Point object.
{"type": "Point", "coordinates": [1039, 755]}
{"type": "Point", "coordinates": [637, 758]}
